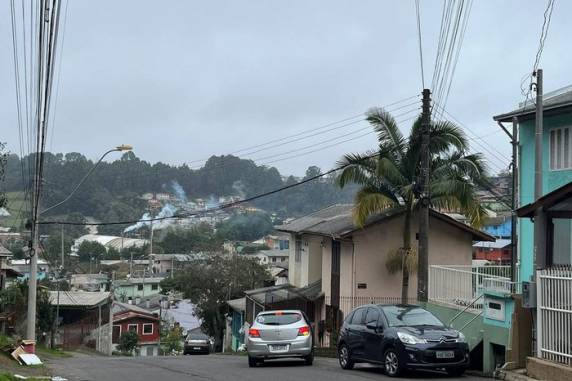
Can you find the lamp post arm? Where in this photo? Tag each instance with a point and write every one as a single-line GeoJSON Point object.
{"type": "Point", "coordinates": [81, 182]}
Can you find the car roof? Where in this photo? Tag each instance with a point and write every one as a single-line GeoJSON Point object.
{"type": "Point", "coordinates": [282, 311]}
{"type": "Point", "coordinates": [399, 305]}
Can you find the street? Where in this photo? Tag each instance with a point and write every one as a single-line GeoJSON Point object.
{"type": "Point", "coordinates": [215, 367]}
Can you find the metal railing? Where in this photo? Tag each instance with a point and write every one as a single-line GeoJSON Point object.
{"type": "Point", "coordinates": [461, 286]}
{"type": "Point", "coordinates": [554, 315]}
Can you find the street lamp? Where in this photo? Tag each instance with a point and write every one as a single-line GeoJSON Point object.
{"type": "Point", "coordinates": [33, 278]}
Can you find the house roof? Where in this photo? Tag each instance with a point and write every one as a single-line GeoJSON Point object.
{"type": "Point", "coordinates": [286, 291]}
{"type": "Point", "coordinates": [554, 102]}
{"type": "Point", "coordinates": [559, 201]}
{"type": "Point", "coordinates": [275, 253]}
{"type": "Point", "coordinates": [79, 298]}
{"type": "Point", "coordinates": [337, 221]}
{"type": "Point", "coordinates": [11, 273]}
{"type": "Point", "coordinates": [127, 315]}
{"type": "Point", "coordinates": [119, 307]}
{"type": "Point", "coordinates": [498, 244]}
{"type": "Point", "coordinates": [237, 304]}
{"type": "Point", "coordinates": [176, 257]}
{"type": "Point", "coordinates": [136, 281]}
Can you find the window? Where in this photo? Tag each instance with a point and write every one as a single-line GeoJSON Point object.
{"type": "Point", "coordinates": [298, 254]}
{"type": "Point", "coordinates": [132, 327]}
{"type": "Point", "coordinates": [560, 148]}
{"type": "Point", "coordinates": [561, 242]}
{"type": "Point", "coordinates": [148, 329]}
{"type": "Point", "coordinates": [278, 318]}
{"type": "Point", "coordinates": [372, 316]}
{"type": "Point", "coordinates": [139, 287]}
{"type": "Point", "coordinates": [154, 287]}
{"type": "Point", "coordinates": [358, 317]}
{"type": "Point", "coordinates": [409, 316]}
{"type": "Point", "coordinates": [116, 334]}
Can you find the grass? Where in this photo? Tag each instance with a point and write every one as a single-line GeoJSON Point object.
{"type": "Point", "coordinates": [43, 351]}
{"type": "Point", "coordinates": [8, 364]}
{"type": "Point", "coordinates": [16, 203]}
{"type": "Point", "coordinates": [9, 377]}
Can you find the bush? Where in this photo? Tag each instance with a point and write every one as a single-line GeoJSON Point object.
{"type": "Point", "coordinates": [128, 342]}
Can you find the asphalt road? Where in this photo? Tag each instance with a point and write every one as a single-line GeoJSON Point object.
{"type": "Point", "coordinates": [216, 367]}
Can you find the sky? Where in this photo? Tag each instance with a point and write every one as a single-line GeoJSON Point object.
{"type": "Point", "coordinates": [183, 80]}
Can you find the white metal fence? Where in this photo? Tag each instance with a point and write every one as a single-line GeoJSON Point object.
{"type": "Point", "coordinates": [461, 285]}
{"type": "Point", "coordinates": [554, 315]}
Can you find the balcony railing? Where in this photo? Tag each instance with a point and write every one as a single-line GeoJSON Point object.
{"type": "Point", "coordinates": [459, 286]}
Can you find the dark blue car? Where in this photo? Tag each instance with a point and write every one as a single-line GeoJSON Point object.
{"type": "Point", "coordinates": [401, 337]}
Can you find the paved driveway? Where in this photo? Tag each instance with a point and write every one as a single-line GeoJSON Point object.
{"type": "Point", "coordinates": [214, 367]}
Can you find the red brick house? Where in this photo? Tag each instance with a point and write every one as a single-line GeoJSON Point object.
{"type": "Point", "coordinates": [127, 317]}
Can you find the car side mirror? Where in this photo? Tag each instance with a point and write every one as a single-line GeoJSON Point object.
{"type": "Point", "coordinates": [373, 326]}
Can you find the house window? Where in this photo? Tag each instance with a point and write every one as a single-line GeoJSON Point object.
{"type": "Point", "coordinates": [139, 287]}
{"type": "Point", "coordinates": [148, 329]}
{"type": "Point", "coordinates": [132, 327]}
{"type": "Point", "coordinates": [154, 287]}
{"type": "Point", "coordinates": [116, 334]}
{"type": "Point", "coordinates": [298, 254]}
{"type": "Point", "coordinates": [560, 148]}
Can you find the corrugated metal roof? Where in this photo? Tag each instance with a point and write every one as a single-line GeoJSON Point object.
{"type": "Point", "coordinates": [4, 252]}
{"type": "Point", "coordinates": [275, 252]}
{"type": "Point", "coordinates": [79, 298]}
{"type": "Point", "coordinates": [237, 304]}
{"type": "Point", "coordinates": [552, 101]}
{"type": "Point", "coordinates": [498, 244]}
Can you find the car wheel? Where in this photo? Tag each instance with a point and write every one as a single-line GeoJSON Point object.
{"type": "Point", "coordinates": [455, 372]}
{"type": "Point", "coordinates": [252, 362]}
{"type": "Point", "coordinates": [309, 360]}
{"type": "Point", "coordinates": [345, 358]}
{"type": "Point", "coordinates": [391, 360]}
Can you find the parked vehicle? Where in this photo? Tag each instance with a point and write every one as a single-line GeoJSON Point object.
{"type": "Point", "coordinates": [401, 337]}
{"type": "Point", "coordinates": [280, 334]}
{"type": "Point", "coordinates": [197, 342]}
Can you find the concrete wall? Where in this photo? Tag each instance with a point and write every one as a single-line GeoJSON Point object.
{"type": "Point", "coordinates": [309, 268]}
{"type": "Point", "coordinates": [551, 180]}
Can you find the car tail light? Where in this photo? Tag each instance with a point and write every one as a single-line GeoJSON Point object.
{"type": "Point", "coordinates": [304, 331]}
{"type": "Point", "coordinates": [253, 332]}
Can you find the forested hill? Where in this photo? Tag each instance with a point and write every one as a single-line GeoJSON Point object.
{"type": "Point", "coordinates": [112, 191]}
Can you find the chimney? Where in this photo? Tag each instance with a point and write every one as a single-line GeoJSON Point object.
{"type": "Point", "coordinates": [129, 301]}
{"type": "Point", "coordinates": [137, 300]}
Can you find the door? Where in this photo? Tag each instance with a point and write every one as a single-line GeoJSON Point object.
{"type": "Point", "coordinates": [355, 339]}
{"type": "Point", "coordinates": [372, 337]}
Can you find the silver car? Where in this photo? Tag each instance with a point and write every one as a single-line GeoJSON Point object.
{"type": "Point", "coordinates": [280, 334]}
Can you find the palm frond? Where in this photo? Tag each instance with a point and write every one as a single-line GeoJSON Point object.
{"type": "Point", "coordinates": [386, 127]}
{"type": "Point", "coordinates": [371, 200]}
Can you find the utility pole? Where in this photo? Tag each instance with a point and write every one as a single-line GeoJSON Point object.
{"type": "Point", "coordinates": [515, 258]}
{"type": "Point", "coordinates": [539, 220]}
{"type": "Point", "coordinates": [62, 264]}
{"type": "Point", "coordinates": [423, 255]}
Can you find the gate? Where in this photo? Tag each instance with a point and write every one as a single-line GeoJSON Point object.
{"type": "Point", "coordinates": [554, 315]}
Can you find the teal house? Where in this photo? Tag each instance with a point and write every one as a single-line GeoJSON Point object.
{"type": "Point", "coordinates": [136, 288]}
{"type": "Point", "coordinates": [556, 169]}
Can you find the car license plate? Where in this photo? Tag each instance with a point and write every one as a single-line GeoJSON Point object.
{"type": "Point", "coordinates": [197, 348]}
{"type": "Point", "coordinates": [278, 348]}
{"type": "Point", "coordinates": [445, 354]}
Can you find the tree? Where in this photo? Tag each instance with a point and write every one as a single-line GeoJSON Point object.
{"type": "Point", "coordinates": [91, 249]}
{"type": "Point", "coordinates": [389, 177]}
{"type": "Point", "coordinates": [211, 282]}
{"type": "Point", "coordinates": [128, 342]}
{"type": "Point", "coordinates": [245, 227]}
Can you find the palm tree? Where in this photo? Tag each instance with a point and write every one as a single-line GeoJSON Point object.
{"type": "Point", "coordinates": [389, 178]}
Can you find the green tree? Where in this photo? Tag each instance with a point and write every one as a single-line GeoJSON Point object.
{"type": "Point", "coordinates": [389, 178]}
{"type": "Point", "coordinates": [3, 163]}
{"type": "Point", "coordinates": [172, 340]}
{"type": "Point", "coordinates": [90, 249]}
{"type": "Point", "coordinates": [211, 282]}
{"type": "Point", "coordinates": [128, 342]}
{"type": "Point", "coordinates": [245, 227]}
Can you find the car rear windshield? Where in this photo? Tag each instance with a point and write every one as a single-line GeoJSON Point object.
{"type": "Point", "coordinates": [410, 316]}
{"type": "Point", "coordinates": [279, 318]}
{"type": "Point", "coordinates": [197, 336]}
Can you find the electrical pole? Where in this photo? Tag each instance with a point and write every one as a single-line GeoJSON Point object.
{"type": "Point", "coordinates": [423, 255]}
{"type": "Point", "coordinates": [62, 264]}
{"type": "Point", "coordinates": [539, 220]}
{"type": "Point", "coordinates": [515, 258]}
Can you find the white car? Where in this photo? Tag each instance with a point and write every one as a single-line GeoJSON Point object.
{"type": "Point", "coordinates": [280, 334]}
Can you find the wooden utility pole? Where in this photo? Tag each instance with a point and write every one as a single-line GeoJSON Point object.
{"type": "Point", "coordinates": [539, 220]}
{"type": "Point", "coordinates": [423, 255]}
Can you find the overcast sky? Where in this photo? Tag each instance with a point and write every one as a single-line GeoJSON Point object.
{"type": "Point", "coordinates": [182, 80]}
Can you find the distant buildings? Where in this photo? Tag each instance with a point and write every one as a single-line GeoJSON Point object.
{"type": "Point", "coordinates": [136, 288]}
{"type": "Point", "coordinates": [108, 241]}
